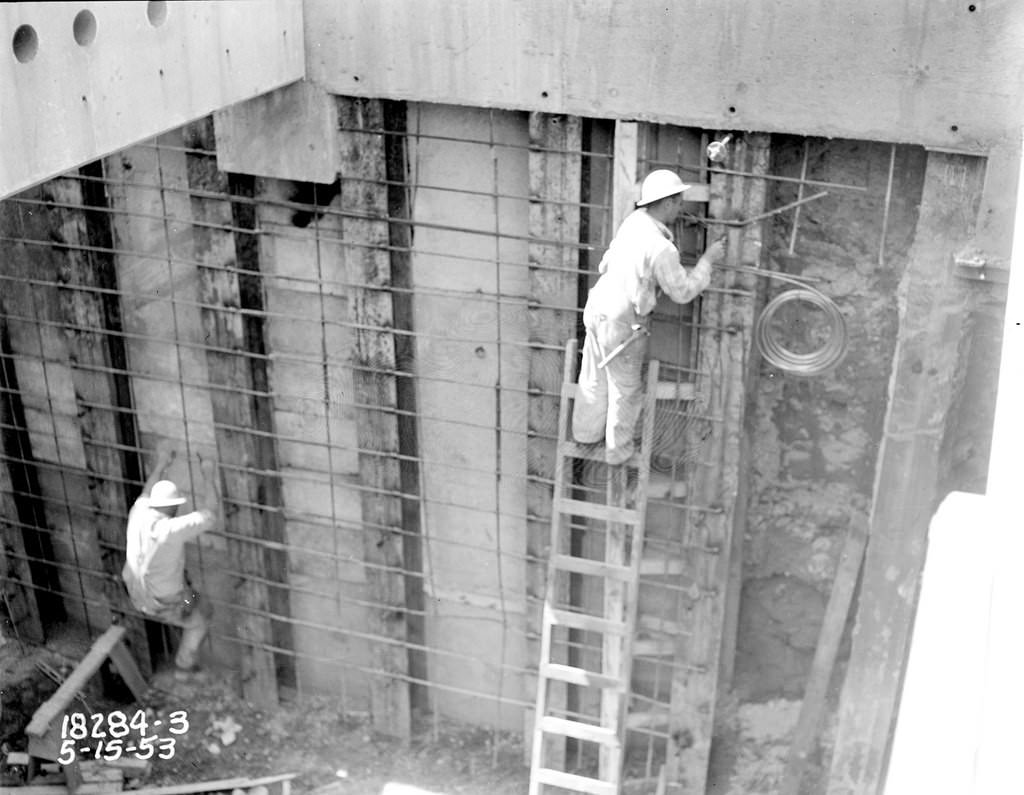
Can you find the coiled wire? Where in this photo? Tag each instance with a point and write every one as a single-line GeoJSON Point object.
{"type": "Point", "coordinates": [773, 351]}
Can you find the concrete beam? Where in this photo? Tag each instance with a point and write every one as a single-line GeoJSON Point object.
{"type": "Point", "coordinates": [934, 72]}
{"type": "Point", "coordinates": [82, 80]}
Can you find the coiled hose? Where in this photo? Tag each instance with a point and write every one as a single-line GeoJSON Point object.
{"type": "Point", "coordinates": [773, 351]}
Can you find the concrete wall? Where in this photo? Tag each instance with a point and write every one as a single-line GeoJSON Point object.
{"type": "Point", "coordinates": [941, 73]}
{"type": "Point", "coordinates": [92, 78]}
{"type": "Point", "coordinates": [472, 434]}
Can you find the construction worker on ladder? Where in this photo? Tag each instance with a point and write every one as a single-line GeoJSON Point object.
{"type": "Point", "coordinates": [641, 259]}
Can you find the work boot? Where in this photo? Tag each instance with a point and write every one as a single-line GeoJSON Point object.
{"type": "Point", "coordinates": [188, 673]}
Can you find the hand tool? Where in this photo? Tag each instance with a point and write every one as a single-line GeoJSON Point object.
{"type": "Point", "coordinates": [638, 332]}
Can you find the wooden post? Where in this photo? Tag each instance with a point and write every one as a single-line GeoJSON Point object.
{"type": "Point", "coordinates": [400, 239]}
{"type": "Point", "coordinates": [725, 346]}
{"type": "Point", "coordinates": [928, 369]}
{"type": "Point", "coordinates": [364, 194]}
{"type": "Point", "coordinates": [231, 386]}
{"type": "Point", "coordinates": [554, 224]}
{"type": "Point", "coordinates": [624, 171]}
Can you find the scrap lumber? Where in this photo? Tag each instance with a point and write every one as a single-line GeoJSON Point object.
{"type": "Point", "coordinates": [43, 730]}
{"type": "Point", "coordinates": [279, 784]}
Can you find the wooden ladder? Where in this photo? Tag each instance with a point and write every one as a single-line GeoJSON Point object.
{"type": "Point", "coordinates": [618, 574]}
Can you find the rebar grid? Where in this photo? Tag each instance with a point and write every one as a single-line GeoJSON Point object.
{"type": "Point", "coordinates": [310, 302]}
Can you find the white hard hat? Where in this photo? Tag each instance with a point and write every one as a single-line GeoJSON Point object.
{"type": "Point", "coordinates": [164, 495]}
{"type": "Point", "coordinates": [659, 185]}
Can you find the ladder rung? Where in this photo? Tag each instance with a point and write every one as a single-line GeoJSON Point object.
{"type": "Point", "coordinates": [596, 568]}
{"type": "Point", "coordinates": [582, 621]}
{"type": "Point", "coordinates": [581, 731]}
{"type": "Point", "coordinates": [570, 390]}
{"type": "Point", "coordinates": [670, 390]}
{"type": "Point", "coordinates": [580, 676]}
{"type": "Point", "coordinates": [595, 510]}
{"type": "Point", "coordinates": [558, 778]}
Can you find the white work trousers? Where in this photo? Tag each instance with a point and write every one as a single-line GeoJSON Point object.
{"type": "Point", "coordinates": [195, 624]}
{"type": "Point", "coordinates": [609, 399]}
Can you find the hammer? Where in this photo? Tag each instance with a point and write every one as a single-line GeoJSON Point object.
{"type": "Point", "coordinates": [638, 332]}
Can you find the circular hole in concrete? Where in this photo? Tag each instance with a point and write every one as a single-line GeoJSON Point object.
{"type": "Point", "coordinates": [954, 128]}
{"type": "Point", "coordinates": [732, 109]}
{"type": "Point", "coordinates": [156, 12]}
{"type": "Point", "coordinates": [25, 43]}
{"type": "Point", "coordinates": [84, 27]}
{"type": "Point", "coordinates": [972, 8]}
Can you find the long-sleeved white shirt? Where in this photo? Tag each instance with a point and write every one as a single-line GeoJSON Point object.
{"type": "Point", "coordinates": [162, 539]}
{"type": "Point", "coordinates": [641, 258]}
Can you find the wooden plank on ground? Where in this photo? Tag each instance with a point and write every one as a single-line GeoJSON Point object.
{"type": "Point", "coordinates": [86, 668]}
{"type": "Point", "coordinates": [554, 226]}
{"type": "Point", "coordinates": [812, 709]}
{"type": "Point", "coordinates": [364, 195]}
{"type": "Point", "coordinates": [173, 789]}
{"type": "Point", "coordinates": [231, 386]}
{"type": "Point", "coordinates": [727, 319]}
{"type": "Point", "coordinates": [928, 371]}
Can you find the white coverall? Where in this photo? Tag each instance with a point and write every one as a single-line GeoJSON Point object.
{"type": "Point", "coordinates": [154, 571]}
{"type": "Point", "coordinates": [641, 259]}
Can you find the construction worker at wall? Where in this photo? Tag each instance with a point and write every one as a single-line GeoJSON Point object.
{"type": "Point", "coordinates": [154, 569]}
{"type": "Point", "coordinates": [641, 260]}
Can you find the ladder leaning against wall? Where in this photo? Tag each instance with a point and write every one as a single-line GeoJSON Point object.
{"type": "Point", "coordinates": [621, 517]}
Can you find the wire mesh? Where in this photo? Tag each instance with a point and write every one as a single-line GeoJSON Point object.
{"type": "Point", "coordinates": [257, 323]}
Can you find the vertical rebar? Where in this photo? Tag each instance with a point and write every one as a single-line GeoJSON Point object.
{"type": "Point", "coordinates": [799, 196]}
{"type": "Point", "coordinates": [888, 201]}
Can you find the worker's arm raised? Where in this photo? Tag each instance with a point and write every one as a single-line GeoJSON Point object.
{"type": "Point", "coordinates": [680, 284]}
{"type": "Point", "coordinates": [164, 457]}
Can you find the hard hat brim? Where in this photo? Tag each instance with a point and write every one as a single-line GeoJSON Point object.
{"type": "Point", "coordinates": [681, 189]}
{"type": "Point", "coordinates": [166, 503]}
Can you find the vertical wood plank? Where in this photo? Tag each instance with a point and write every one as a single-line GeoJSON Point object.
{"type": "Point", "coordinates": [624, 171]}
{"type": "Point", "coordinates": [928, 369]}
{"type": "Point", "coordinates": [400, 240]}
{"type": "Point", "coordinates": [364, 196]}
{"type": "Point", "coordinates": [231, 386]}
{"type": "Point", "coordinates": [555, 166]}
{"type": "Point", "coordinates": [91, 315]}
{"type": "Point", "coordinates": [724, 349]}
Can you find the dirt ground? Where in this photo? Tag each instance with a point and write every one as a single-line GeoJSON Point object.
{"type": "Point", "coordinates": [334, 753]}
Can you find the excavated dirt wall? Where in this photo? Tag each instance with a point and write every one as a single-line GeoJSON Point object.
{"type": "Point", "coordinates": [815, 439]}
